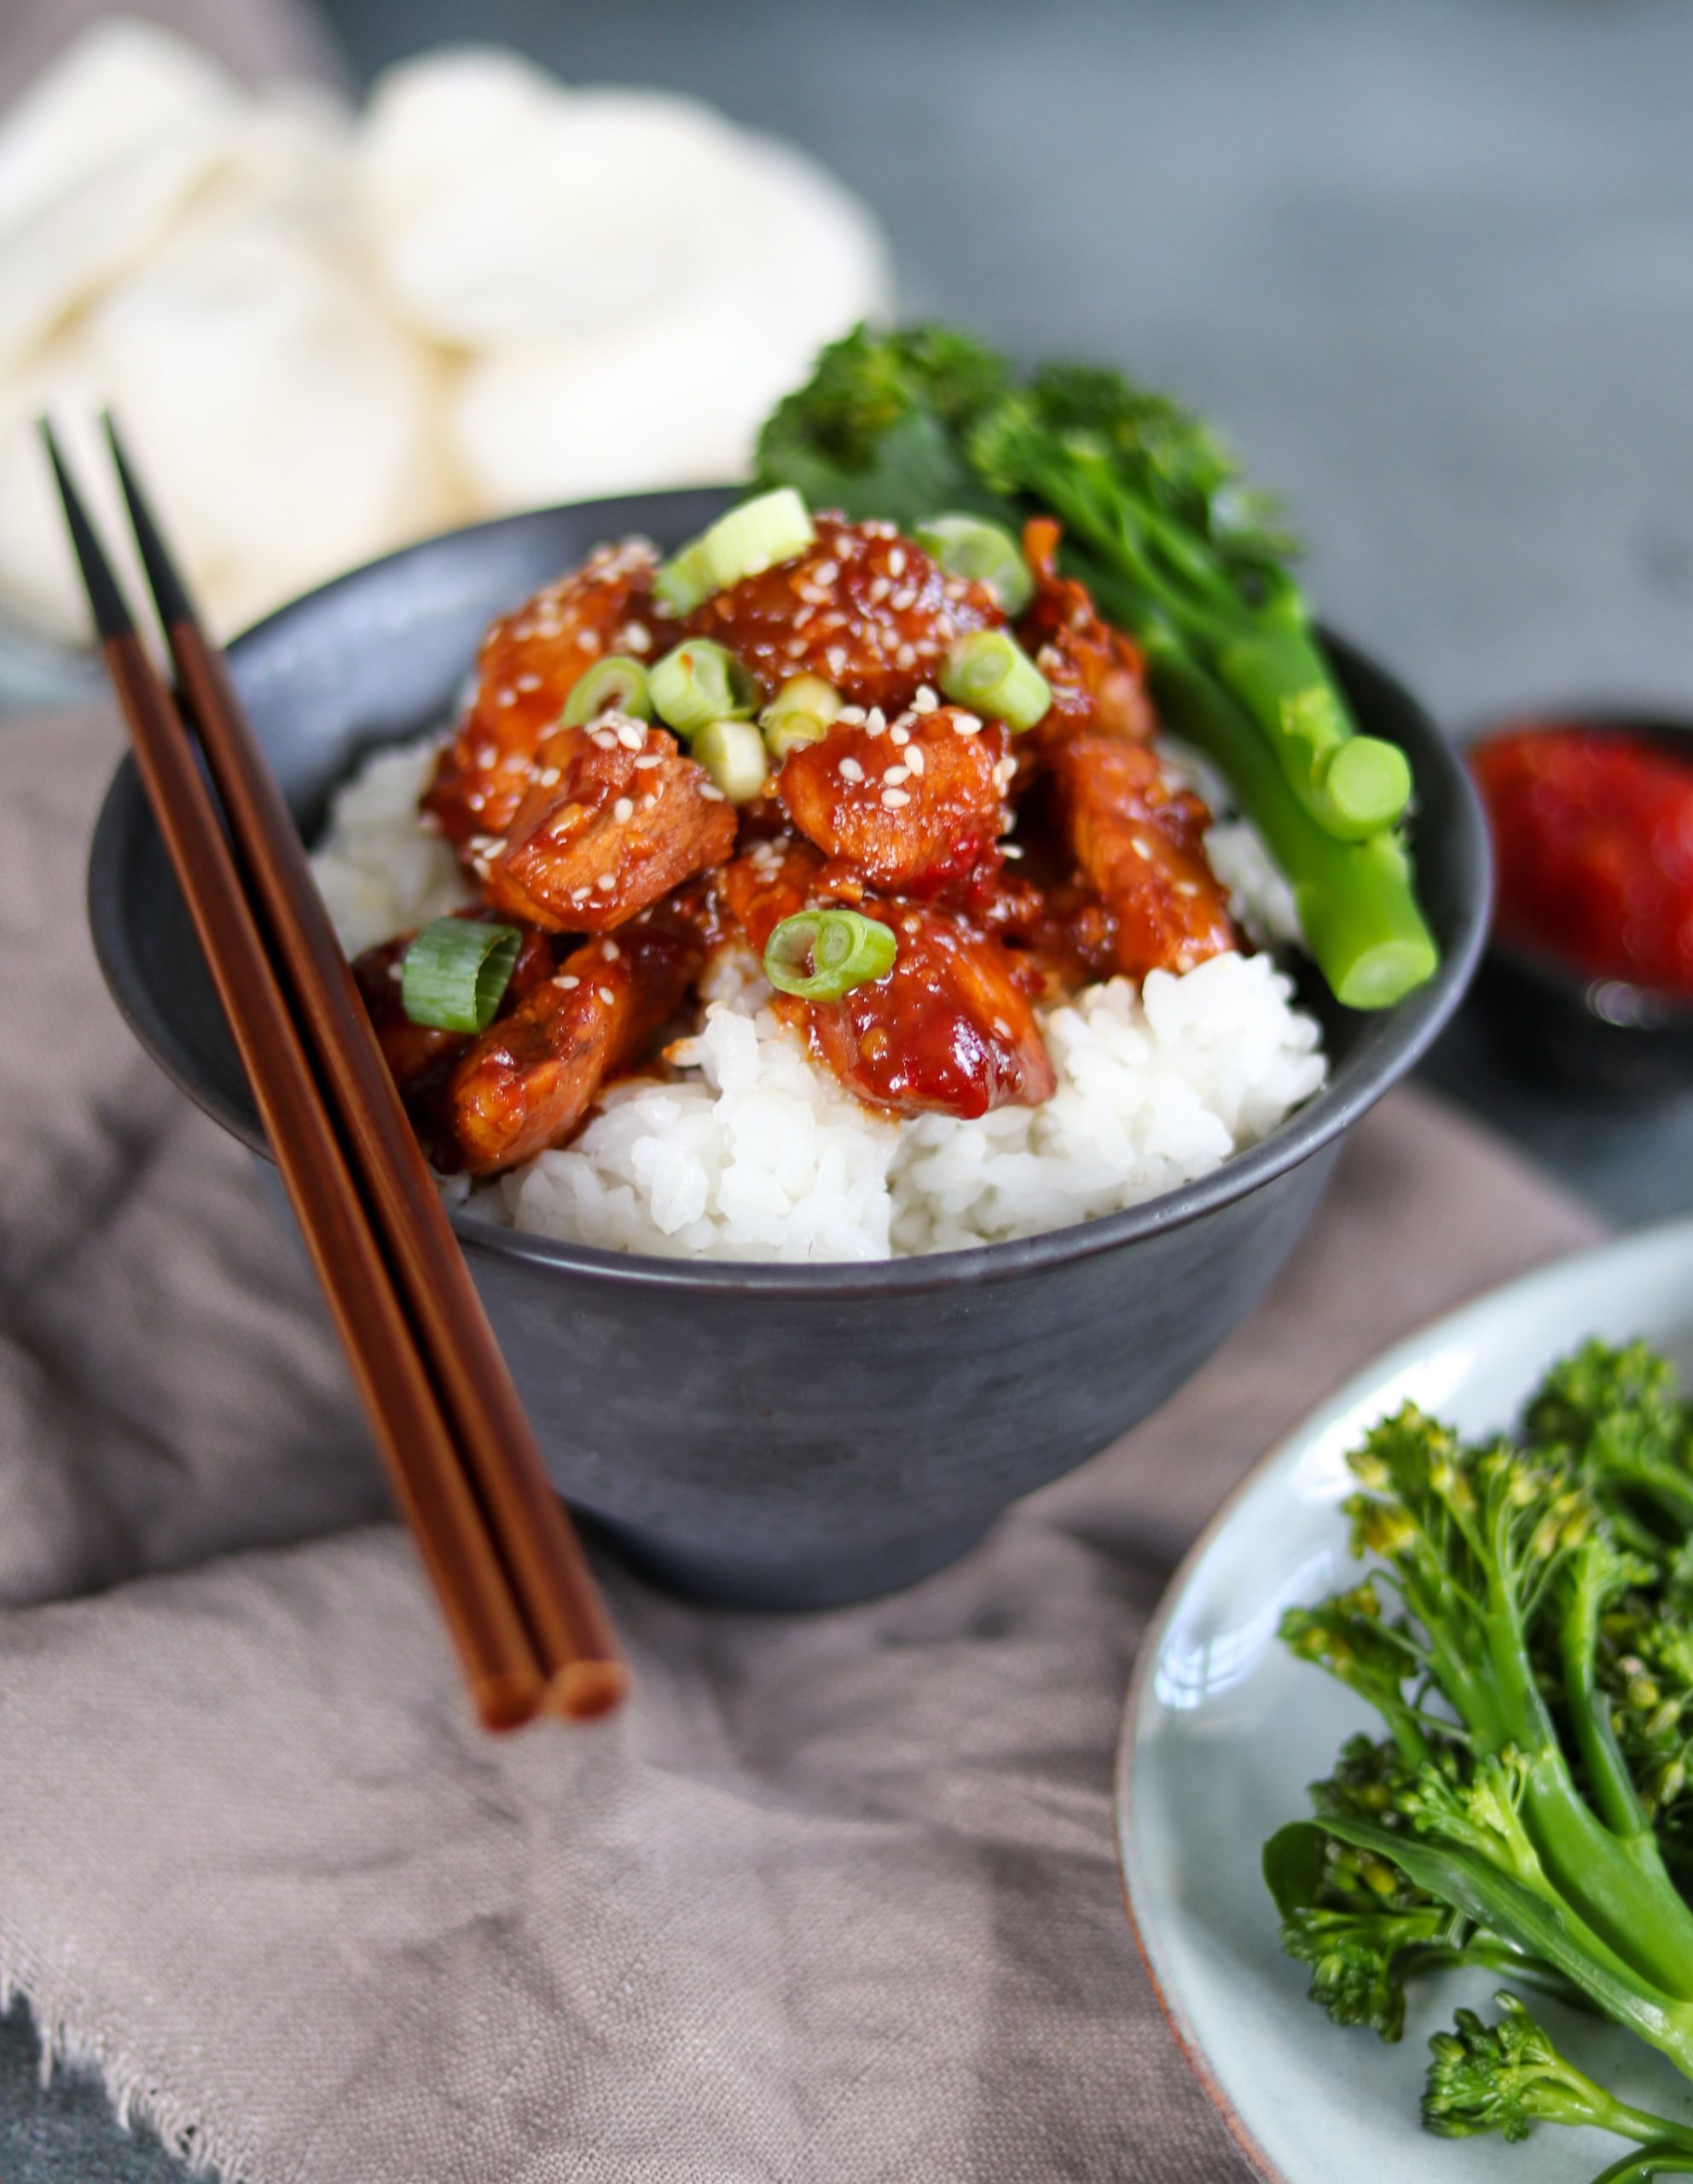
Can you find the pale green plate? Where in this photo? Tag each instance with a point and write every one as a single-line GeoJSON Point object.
{"type": "Point", "coordinates": [1223, 1730]}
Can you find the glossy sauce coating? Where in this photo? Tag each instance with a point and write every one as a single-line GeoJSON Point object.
{"type": "Point", "coordinates": [529, 663]}
{"type": "Point", "coordinates": [529, 1080]}
{"type": "Point", "coordinates": [613, 818]}
{"type": "Point", "coordinates": [914, 807]}
{"type": "Point", "coordinates": [1593, 843]}
{"type": "Point", "coordinates": [862, 607]}
{"type": "Point", "coordinates": [418, 1056]}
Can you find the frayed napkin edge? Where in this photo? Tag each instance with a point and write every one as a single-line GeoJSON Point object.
{"type": "Point", "coordinates": [129, 2087]}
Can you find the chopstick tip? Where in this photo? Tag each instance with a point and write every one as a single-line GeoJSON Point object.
{"type": "Point", "coordinates": [581, 1691]}
{"type": "Point", "coordinates": [169, 593]}
{"type": "Point", "coordinates": [112, 617]}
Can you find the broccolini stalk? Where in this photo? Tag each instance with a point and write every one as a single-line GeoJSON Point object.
{"type": "Point", "coordinates": [1357, 908]}
{"type": "Point", "coordinates": [1507, 2077]}
{"type": "Point", "coordinates": [1098, 455]}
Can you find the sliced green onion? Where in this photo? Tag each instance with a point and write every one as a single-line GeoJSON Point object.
{"type": "Point", "coordinates": [686, 580]}
{"type": "Point", "coordinates": [820, 955]}
{"type": "Point", "coordinates": [802, 711]}
{"type": "Point", "coordinates": [991, 673]}
{"type": "Point", "coordinates": [701, 680]}
{"type": "Point", "coordinates": [733, 753]}
{"type": "Point", "coordinates": [455, 974]}
{"type": "Point", "coordinates": [982, 553]}
{"type": "Point", "coordinates": [745, 542]}
{"type": "Point", "coordinates": [614, 685]}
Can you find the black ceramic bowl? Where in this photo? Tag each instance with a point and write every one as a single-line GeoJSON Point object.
{"type": "Point", "coordinates": [769, 1435]}
{"type": "Point", "coordinates": [1556, 1024]}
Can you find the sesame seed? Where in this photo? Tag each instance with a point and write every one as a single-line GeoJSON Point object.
{"type": "Point", "coordinates": [711, 793]}
{"type": "Point", "coordinates": [1002, 1027]}
{"type": "Point", "coordinates": [925, 700]}
{"type": "Point", "coordinates": [877, 591]}
{"type": "Point", "coordinates": [529, 682]}
{"type": "Point", "coordinates": [396, 969]}
{"type": "Point", "coordinates": [603, 738]}
{"type": "Point", "coordinates": [850, 771]}
{"type": "Point", "coordinates": [850, 717]}
{"type": "Point", "coordinates": [1010, 849]}
{"type": "Point", "coordinates": [1186, 887]}
{"type": "Point", "coordinates": [631, 735]}
{"type": "Point", "coordinates": [607, 996]}
{"type": "Point", "coordinates": [905, 657]}
{"type": "Point", "coordinates": [915, 759]}
{"type": "Point", "coordinates": [836, 659]}
{"type": "Point", "coordinates": [505, 697]}
{"type": "Point", "coordinates": [610, 950]}
{"type": "Point", "coordinates": [652, 759]}
{"type": "Point", "coordinates": [580, 894]}
{"type": "Point", "coordinates": [965, 724]}
{"type": "Point", "coordinates": [895, 774]}
{"type": "Point", "coordinates": [624, 809]}
{"type": "Point", "coordinates": [903, 599]}
{"type": "Point", "coordinates": [1140, 848]}
{"type": "Point", "coordinates": [591, 642]}
{"type": "Point", "coordinates": [956, 588]}
{"type": "Point", "coordinates": [825, 573]}
{"type": "Point", "coordinates": [896, 562]}
{"type": "Point", "coordinates": [637, 636]}
{"type": "Point", "coordinates": [899, 733]}
{"type": "Point", "coordinates": [911, 924]}
{"type": "Point", "coordinates": [606, 881]}
{"type": "Point", "coordinates": [569, 981]}
{"type": "Point", "coordinates": [893, 798]}
{"type": "Point", "coordinates": [550, 776]}
{"type": "Point", "coordinates": [875, 720]}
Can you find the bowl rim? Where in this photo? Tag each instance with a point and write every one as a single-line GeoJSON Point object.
{"type": "Point", "coordinates": [1554, 975]}
{"type": "Point", "coordinates": [1328, 1113]}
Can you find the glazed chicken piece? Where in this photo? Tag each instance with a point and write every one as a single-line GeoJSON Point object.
{"type": "Point", "coordinates": [529, 663]}
{"type": "Point", "coordinates": [862, 607]}
{"type": "Point", "coordinates": [914, 809]}
{"type": "Point", "coordinates": [529, 1080]}
{"type": "Point", "coordinates": [1095, 673]}
{"type": "Point", "coordinates": [949, 1027]}
{"type": "Point", "coordinates": [418, 1056]}
{"type": "Point", "coordinates": [614, 817]}
{"type": "Point", "coordinates": [1139, 842]}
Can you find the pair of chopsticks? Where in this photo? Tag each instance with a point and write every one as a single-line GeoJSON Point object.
{"type": "Point", "coordinates": [515, 1590]}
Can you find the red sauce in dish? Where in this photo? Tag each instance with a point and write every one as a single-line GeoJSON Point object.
{"type": "Point", "coordinates": [1593, 839]}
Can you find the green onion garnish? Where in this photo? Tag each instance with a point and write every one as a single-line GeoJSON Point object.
{"type": "Point", "coordinates": [455, 974]}
{"type": "Point", "coordinates": [991, 673]}
{"type": "Point", "coordinates": [801, 712]}
{"type": "Point", "coordinates": [617, 684]}
{"type": "Point", "coordinates": [733, 753]}
{"type": "Point", "coordinates": [700, 681]}
{"type": "Point", "coordinates": [820, 955]}
{"type": "Point", "coordinates": [982, 553]}
{"type": "Point", "coordinates": [745, 542]}
{"type": "Point", "coordinates": [686, 580]}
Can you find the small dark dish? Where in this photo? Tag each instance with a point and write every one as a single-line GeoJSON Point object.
{"type": "Point", "coordinates": [1555, 1024]}
{"type": "Point", "coordinates": [779, 1436]}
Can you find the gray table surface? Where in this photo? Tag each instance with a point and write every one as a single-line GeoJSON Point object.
{"type": "Point", "coordinates": [1427, 260]}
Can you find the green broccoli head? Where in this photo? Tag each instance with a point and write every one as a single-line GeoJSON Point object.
{"type": "Point", "coordinates": [1507, 2077]}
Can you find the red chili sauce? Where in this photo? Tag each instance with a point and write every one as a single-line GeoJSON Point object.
{"type": "Point", "coordinates": [1593, 843]}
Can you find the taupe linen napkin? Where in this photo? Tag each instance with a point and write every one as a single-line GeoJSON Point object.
{"type": "Point", "coordinates": [835, 1900]}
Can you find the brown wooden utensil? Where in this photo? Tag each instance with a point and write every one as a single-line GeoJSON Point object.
{"type": "Point", "coordinates": [518, 1598]}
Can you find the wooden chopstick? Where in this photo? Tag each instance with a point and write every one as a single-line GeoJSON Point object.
{"type": "Point", "coordinates": [550, 1576]}
{"type": "Point", "coordinates": [499, 1660]}
{"type": "Point", "coordinates": [504, 1669]}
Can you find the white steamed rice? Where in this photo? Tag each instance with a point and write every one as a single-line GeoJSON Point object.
{"type": "Point", "coordinates": [745, 1149]}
